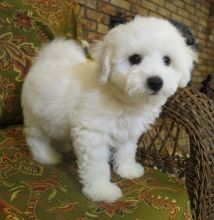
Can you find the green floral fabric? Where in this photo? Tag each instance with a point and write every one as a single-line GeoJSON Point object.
{"type": "Point", "coordinates": [24, 26]}
{"type": "Point", "coordinates": [30, 191]}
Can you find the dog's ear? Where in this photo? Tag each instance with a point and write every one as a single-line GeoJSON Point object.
{"type": "Point", "coordinates": [191, 51]}
{"type": "Point", "coordinates": [190, 60]}
{"type": "Point", "coordinates": [186, 33]}
{"type": "Point", "coordinates": [102, 54]}
{"type": "Point", "coordinates": [184, 81]}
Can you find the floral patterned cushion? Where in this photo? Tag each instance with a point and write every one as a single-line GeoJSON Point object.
{"type": "Point", "coordinates": [32, 191]}
{"type": "Point", "coordinates": [24, 26]}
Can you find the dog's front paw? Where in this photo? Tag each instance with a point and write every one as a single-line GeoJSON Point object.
{"type": "Point", "coordinates": [108, 192]}
{"type": "Point", "coordinates": [130, 171]}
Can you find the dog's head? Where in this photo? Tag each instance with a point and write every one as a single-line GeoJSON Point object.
{"type": "Point", "coordinates": [147, 56]}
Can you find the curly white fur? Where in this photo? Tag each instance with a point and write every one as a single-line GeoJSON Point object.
{"type": "Point", "coordinates": [104, 106]}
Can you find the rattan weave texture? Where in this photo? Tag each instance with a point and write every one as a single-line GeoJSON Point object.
{"type": "Point", "coordinates": [182, 143]}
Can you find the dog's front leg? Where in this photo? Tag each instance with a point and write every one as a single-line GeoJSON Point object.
{"type": "Point", "coordinates": [93, 163]}
{"type": "Point", "coordinates": [124, 161]}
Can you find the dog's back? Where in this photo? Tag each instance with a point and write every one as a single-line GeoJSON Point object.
{"type": "Point", "coordinates": [44, 87]}
{"type": "Point", "coordinates": [65, 52]}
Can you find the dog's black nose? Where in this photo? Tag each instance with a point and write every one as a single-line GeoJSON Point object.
{"type": "Point", "coordinates": [155, 83]}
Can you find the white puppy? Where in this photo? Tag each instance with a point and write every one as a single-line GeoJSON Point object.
{"type": "Point", "coordinates": [104, 106]}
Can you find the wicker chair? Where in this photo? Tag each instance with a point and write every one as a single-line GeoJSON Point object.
{"type": "Point", "coordinates": [192, 112]}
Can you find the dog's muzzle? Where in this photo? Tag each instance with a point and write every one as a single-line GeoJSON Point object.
{"type": "Point", "coordinates": [154, 83]}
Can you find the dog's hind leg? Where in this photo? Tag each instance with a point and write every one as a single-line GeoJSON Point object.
{"type": "Point", "coordinates": [63, 146]}
{"type": "Point", "coordinates": [40, 147]}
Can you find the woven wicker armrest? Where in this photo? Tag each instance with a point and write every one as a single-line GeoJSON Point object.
{"type": "Point", "coordinates": [182, 142]}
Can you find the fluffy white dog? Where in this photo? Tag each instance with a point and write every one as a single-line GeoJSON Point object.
{"type": "Point", "coordinates": [104, 106]}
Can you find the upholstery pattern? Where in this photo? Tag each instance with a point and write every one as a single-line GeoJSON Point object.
{"type": "Point", "coordinates": [24, 26]}
{"type": "Point", "coordinates": [32, 191]}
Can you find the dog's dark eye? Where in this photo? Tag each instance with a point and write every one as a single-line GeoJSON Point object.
{"type": "Point", "coordinates": [135, 59]}
{"type": "Point", "coordinates": [167, 60]}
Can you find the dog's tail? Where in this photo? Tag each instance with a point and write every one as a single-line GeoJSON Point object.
{"type": "Point", "coordinates": [66, 52]}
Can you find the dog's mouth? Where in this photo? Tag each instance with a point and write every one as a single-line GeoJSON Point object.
{"type": "Point", "coordinates": [153, 93]}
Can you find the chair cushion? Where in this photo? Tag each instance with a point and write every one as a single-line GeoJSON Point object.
{"type": "Point", "coordinates": [32, 191]}
{"type": "Point", "coordinates": [24, 26]}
